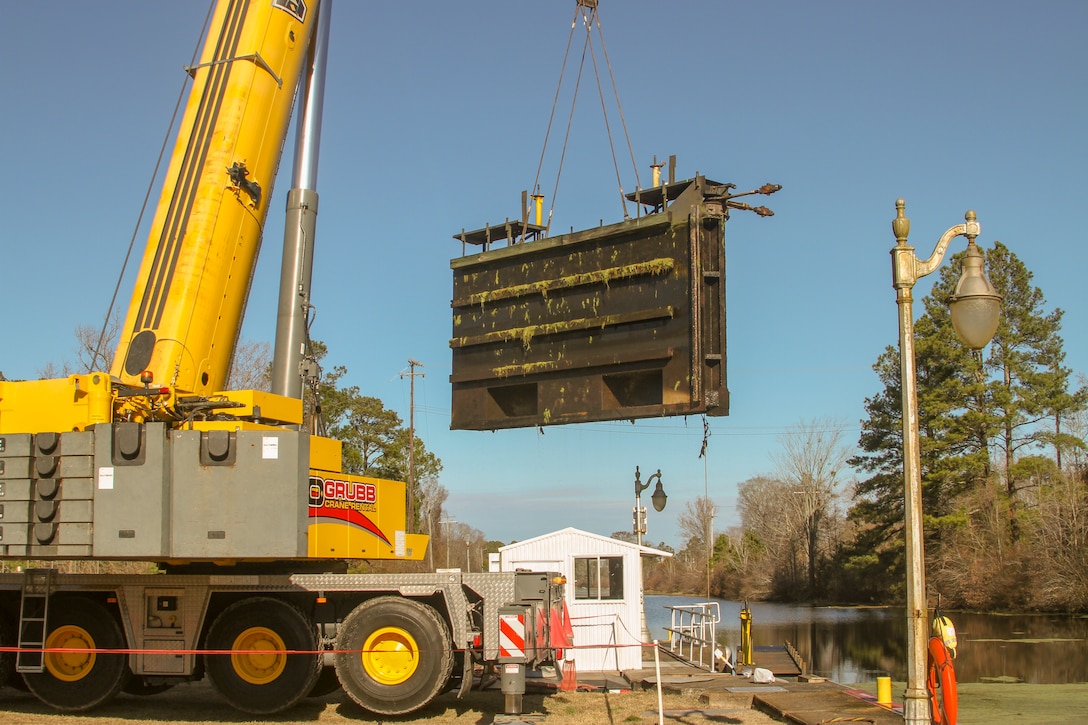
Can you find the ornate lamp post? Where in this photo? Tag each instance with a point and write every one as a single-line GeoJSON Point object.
{"type": "Point", "coordinates": [975, 309]}
{"type": "Point", "coordinates": [658, 498]}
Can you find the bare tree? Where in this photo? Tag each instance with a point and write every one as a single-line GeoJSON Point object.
{"type": "Point", "coordinates": [809, 462]}
{"type": "Point", "coordinates": [696, 524]}
{"type": "Point", "coordinates": [95, 344]}
{"type": "Point", "coordinates": [468, 547]}
{"type": "Point", "coordinates": [432, 499]}
{"type": "Point", "coordinates": [1061, 544]}
{"type": "Point", "coordinates": [52, 370]}
{"type": "Point", "coordinates": [749, 565]}
{"type": "Point", "coordinates": [94, 350]}
{"type": "Point", "coordinates": [696, 521]}
{"type": "Point", "coordinates": [765, 517]}
{"type": "Point", "coordinates": [251, 368]}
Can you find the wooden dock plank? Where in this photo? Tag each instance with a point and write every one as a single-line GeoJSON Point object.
{"type": "Point", "coordinates": [777, 660]}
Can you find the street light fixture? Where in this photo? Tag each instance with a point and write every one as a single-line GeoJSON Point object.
{"type": "Point", "coordinates": [975, 309]}
{"type": "Point", "coordinates": [658, 498]}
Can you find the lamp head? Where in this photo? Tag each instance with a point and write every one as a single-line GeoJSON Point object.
{"type": "Point", "coordinates": [975, 305]}
{"type": "Point", "coordinates": [659, 496]}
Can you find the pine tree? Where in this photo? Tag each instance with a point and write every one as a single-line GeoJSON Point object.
{"type": "Point", "coordinates": [970, 407]}
{"type": "Point", "coordinates": [1030, 387]}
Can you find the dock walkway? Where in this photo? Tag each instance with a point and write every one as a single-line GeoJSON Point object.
{"type": "Point", "coordinates": [792, 698]}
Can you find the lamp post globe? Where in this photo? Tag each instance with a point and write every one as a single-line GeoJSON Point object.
{"type": "Point", "coordinates": [975, 305]}
{"type": "Point", "coordinates": [659, 498]}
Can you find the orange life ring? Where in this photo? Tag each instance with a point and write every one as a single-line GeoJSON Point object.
{"type": "Point", "coordinates": [944, 704]}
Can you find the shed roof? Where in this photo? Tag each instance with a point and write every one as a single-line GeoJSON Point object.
{"type": "Point", "coordinates": [619, 544]}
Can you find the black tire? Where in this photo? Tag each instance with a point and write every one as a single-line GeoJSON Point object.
{"type": "Point", "coordinates": [74, 682]}
{"type": "Point", "coordinates": [7, 659]}
{"type": "Point", "coordinates": [263, 684]}
{"type": "Point", "coordinates": [327, 683]}
{"type": "Point", "coordinates": [394, 656]}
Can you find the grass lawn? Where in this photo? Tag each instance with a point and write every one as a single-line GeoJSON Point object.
{"type": "Point", "coordinates": [1012, 704]}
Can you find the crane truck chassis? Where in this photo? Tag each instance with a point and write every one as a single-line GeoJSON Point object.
{"type": "Point", "coordinates": [266, 641]}
{"type": "Point", "coordinates": [265, 638]}
{"type": "Point", "coordinates": [248, 518]}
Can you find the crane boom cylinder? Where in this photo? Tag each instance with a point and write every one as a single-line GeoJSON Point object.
{"type": "Point", "coordinates": [294, 301]}
{"type": "Point", "coordinates": [308, 131]}
{"type": "Point", "coordinates": [296, 271]}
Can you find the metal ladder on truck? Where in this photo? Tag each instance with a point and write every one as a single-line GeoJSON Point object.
{"type": "Point", "coordinates": [33, 620]}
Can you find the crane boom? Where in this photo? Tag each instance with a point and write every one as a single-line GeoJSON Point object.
{"type": "Point", "coordinates": [191, 289]}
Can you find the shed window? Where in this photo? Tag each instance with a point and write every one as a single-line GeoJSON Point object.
{"type": "Point", "coordinates": [598, 577]}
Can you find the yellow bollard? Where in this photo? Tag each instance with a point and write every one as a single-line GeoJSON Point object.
{"type": "Point", "coordinates": [744, 657]}
{"type": "Point", "coordinates": [538, 209]}
{"type": "Point", "coordinates": [884, 691]}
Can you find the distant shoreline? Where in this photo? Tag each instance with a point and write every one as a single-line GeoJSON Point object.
{"type": "Point", "coordinates": [996, 613]}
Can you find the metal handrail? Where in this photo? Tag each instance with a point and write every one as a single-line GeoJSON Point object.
{"type": "Point", "coordinates": [693, 631]}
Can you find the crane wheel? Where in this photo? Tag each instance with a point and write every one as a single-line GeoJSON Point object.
{"type": "Point", "coordinates": [258, 676]}
{"type": "Point", "coordinates": [394, 655]}
{"type": "Point", "coordinates": [74, 680]}
{"type": "Point", "coordinates": [7, 658]}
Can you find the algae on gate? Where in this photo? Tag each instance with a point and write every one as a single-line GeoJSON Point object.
{"type": "Point", "coordinates": [617, 322]}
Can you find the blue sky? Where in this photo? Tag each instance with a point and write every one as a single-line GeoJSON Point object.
{"type": "Point", "coordinates": [434, 121]}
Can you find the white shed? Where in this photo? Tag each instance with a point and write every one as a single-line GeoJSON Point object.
{"type": "Point", "coordinates": [604, 592]}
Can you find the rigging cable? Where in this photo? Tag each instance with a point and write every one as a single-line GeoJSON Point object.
{"type": "Point", "coordinates": [566, 137]}
{"type": "Point", "coordinates": [147, 194]}
{"type": "Point", "coordinates": [588, 20]}
{"type": "Point", "coordinates": [604, 107]}
{"type": "Point", "coordinates": [555, 103]}
{"type": "Point", "coordinates": [619, 106]}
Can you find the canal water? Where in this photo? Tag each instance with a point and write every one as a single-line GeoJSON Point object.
{"type": "Point", "coordinates": [857, 644]}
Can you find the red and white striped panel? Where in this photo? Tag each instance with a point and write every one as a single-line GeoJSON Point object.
{"type": "Point", "coordinates": [511, 635]}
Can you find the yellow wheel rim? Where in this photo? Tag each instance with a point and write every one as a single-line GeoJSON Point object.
{"type": "Point", "coordinates": [257, 655]}
{"type": "Point", "coordinates": [69, 666]}
{"type": "Point", "coordinates": [390, 656]}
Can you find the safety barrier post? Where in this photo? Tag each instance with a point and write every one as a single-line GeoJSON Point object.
{"type": "Point", "coordinates": [660, 698]}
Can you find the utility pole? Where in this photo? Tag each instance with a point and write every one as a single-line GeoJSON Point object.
{"type": "Point", "coordinates": [412, 365]}
{"type": "Point", "coordinates": [447, 521]}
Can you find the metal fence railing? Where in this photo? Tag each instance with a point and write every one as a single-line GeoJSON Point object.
{"type": "Point", "coordinates": [693, 631]}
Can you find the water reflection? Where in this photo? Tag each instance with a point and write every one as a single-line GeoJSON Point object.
{"type": "Point", "coordinates": [856, 644]}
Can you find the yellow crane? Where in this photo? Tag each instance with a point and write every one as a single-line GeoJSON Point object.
{"type": "Point", "coordinates": [249, 516]}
